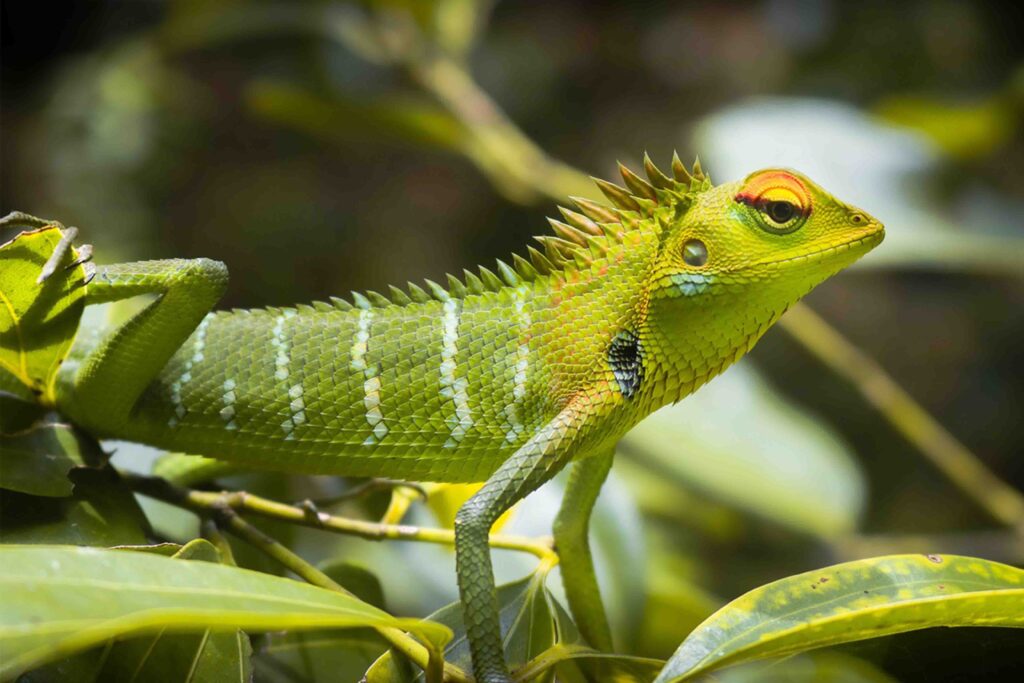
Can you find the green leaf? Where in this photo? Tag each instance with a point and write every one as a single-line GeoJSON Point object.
{"type": "Point", "coordinates": [333, 655]}
{"type": "Point", "coordinates": [618, 546]}
{"type": "Point", "coordinates": [189, 470]}
{"type": "Point", "coordinates": [965, 130]}
{"type": "Point", "coordinates": [782, 465]}
{"type": "Point", "coordinates": [38, 321]}
{"type": "Point", "coordinates": [205, 656]}
{"type": "Point", "coordinates": [396, 119]}
{"type": "Point", "coordinates": [530, 624]}
{"type": "Point", "coordinates": [59, 600]}
{"type": "Point", "coordinates": [356, 579]}
{"type": "Point", "coordinates": [100, 512]}
{"type": "Point", "coordinates": [18, 408]}
{"type": "Point", "coordinates": [852, 601]}
{"type": "Point", "coordinates": [37, 460]}
{"type": "Point", "coordinates": [599, 666]}
{"type": "Point", "coordinates": [814, 667]}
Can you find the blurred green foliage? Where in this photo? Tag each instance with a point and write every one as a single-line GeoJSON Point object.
{"type": "Point", "coordinates": [318, 147]}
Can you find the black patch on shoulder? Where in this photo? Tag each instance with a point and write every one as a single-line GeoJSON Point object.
{"type": "Point", "coordinates": [625, 357]}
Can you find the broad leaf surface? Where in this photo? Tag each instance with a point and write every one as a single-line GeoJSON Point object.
{"type": "Point", "coordinates": [36, 460]}
{"type": "Point", "coordinates": [101, 511]}
{"type": "Point", "coordinates": [37, 321]}
{"type": "Point", "coordinates": [852, 601]}
{"type": "Point", "coordinates": [59, 600]}
{"type": "Point", "coordinates": [356, 579]}
{"type": "Point", "coordinates": [531, 622]}
{"type": "Point", "coordinates": [320, 656]}
{"type": "Point", "coordinates": [204, 656]}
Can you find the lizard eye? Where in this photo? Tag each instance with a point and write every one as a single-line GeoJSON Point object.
{"type": "Point", "coordinates": [780, 211]}
{"type": "Point", "coordinates": [779, 201]}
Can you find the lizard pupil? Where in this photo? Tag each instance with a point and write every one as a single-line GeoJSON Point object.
{"type": "Point", "coordinates": [780, 212]}
{"type": "Point", "coordinates": [695, 253]}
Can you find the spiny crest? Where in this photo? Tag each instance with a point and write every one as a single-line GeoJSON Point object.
{"type": "Point", "coordinates": [579, 238]}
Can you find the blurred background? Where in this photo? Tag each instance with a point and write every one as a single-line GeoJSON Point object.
{"type": "Point", "coordinates": [320, 147]}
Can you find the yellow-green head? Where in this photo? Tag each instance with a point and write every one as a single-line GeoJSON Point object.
{"type": "Point", "coordinates": [732, 258]}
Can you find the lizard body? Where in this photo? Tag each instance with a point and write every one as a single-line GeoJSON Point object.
{"type": "Point", "coordinates": [504, 377]}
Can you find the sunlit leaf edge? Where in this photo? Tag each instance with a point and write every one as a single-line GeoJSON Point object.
{"type": "Point", "coordinates": [689, 661]}
{"type": "Point", "coordinates": [179, 620]}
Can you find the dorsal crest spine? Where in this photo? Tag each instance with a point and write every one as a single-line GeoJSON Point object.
{"type": "Point", "coordinates": [583, 236]}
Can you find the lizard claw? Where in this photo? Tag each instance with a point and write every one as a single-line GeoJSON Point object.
{"type": "Point", "coordinates": [85, 253]}
{"type": "Point", "coordinates": [84, 256]}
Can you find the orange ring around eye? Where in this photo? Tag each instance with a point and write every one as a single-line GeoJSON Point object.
{"type": "Point", "coordinates": [773, 186]}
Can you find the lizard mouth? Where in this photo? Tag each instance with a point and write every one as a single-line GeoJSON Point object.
{"type": "Point", "coordinates": [857, 248]}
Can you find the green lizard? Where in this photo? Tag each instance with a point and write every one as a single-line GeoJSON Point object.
{"type": "Point", "coordinates": [503, 377]}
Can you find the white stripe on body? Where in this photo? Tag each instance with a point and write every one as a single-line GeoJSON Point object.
{"type": "Point", "coordinates": [198, 347]}
{"type": "Point", "coordinates": [283, 371]}
{"type": "Point", "coordinates": [371, 379]}
{"type": "Point", "coordinates": [455, 388]}
{"type": "Point", "coordinates": [523, 321]}
{"type": "Point", "coordinates": [227, 413]}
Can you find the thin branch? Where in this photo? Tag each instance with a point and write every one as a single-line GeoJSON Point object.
{"type": "Point", "coordinates": [960, 466]}
{"type": "Point", "coordinates": [240, 501]}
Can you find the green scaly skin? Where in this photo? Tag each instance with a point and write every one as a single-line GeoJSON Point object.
{"type": "Point", "coordinates": [499, 377]}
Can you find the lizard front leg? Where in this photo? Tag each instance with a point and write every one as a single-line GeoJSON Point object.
{"type": "Point", "coordinates": [534, 463]}
{"type": "Point", "coordinates": [573, 548]}
{"type": "Point", "coordinates": [103, 388]}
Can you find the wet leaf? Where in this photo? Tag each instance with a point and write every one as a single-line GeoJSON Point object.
{"type": "Point", "coordinates": [59, 600]}
{"type": "Point", "coordinates": [852, 601]}
{"type": "Point", "coordinates": [38, 321]}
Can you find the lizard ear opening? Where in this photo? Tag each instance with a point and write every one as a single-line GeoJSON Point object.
{"type": "Point", "coordinates": [695, 253]}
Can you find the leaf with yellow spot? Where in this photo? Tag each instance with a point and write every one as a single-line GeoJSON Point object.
{"type": "Point", "coordinates": [852, 601]}
{"type": "Point", "coordinates": [38, 321]}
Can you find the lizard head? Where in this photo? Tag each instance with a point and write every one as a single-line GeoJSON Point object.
{"type": "Point", "coordinates": [732, 258]}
